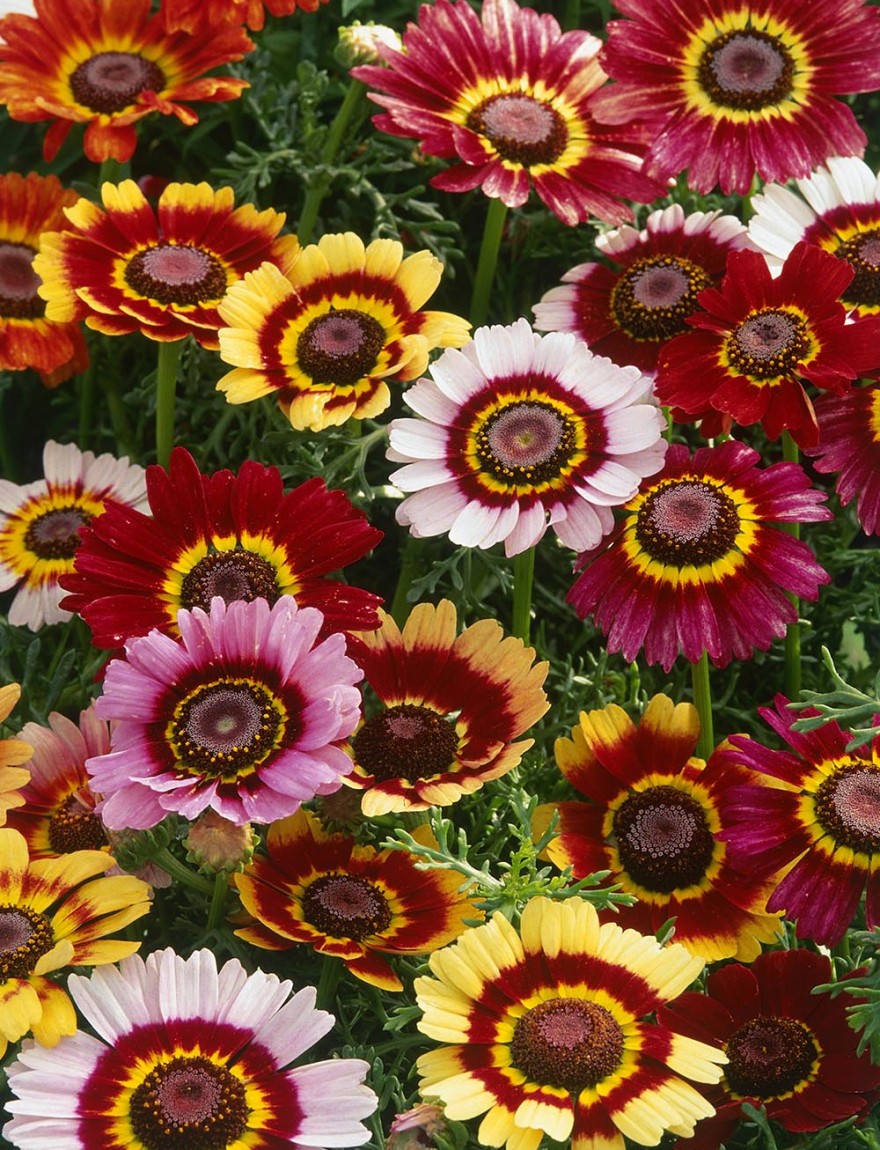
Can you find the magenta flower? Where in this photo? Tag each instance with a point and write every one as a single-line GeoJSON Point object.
{"type": "Point", "coordinates": [849, 444]}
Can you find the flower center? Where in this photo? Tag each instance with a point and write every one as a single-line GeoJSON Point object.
{"type": "Point", "coordinates": [111, 81]}
{"type": "Point", "coordinates": [189, 1103]}
{"type": "Point", "coordinates": [25, 937]}
{"type": "Point", "coordinates": [232, 575]}
{"type": "Point", "coordinates": [345, 907]}
{"type": "Point", "coordinates": [769, 344]}
{"type": "Point", "coordinates": [74, 827]}
{"type": "Point", "coordinates": [746, 70]}
{"type": "Point", "coordinates": [520, 128]}
{"type": "Point", "coordinates": [663, 839]}
{"type": "Point", "coordinates": [19, 283]}
{"type": "Point", "coordinates": [862, 253]}
{"type": "Point", "coordinates": [655, 295]}
{"type": "Point", "coordinates": [525, 443]}
{"type": "Point", "coordinates": [340, 347]}
{"type": "Point", "coordinates": [769, 1056]}
{"type": "Point", "coordinates": [687, 523]}
{"type": "Point", "coordinates": [567, 1043]}
{"type": "Point", "coordinates": [848, 807]}
{"type": "Point", "coordinates": [55, 533]}
{"type": "Point", "coordinates": [226, 728]}
{"type": "Point", "coordinates": [406, 742]}
{"type": "Point", "coordinates": [176, 274]}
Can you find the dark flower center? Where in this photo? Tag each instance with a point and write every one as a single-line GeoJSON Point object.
{"type": "Point", "coordinates": [525, 443]}
{"type": "Point", "coordinates": [25, 937]}
{"type": "Point", "coordinates": [73, 827]}
{"type": "Point", "coordinates": [110, 81]}
{"type": "Point", "coordinates": [226, 728]}
{"type": "Point", "coordinates": [232, 575]}
{"type": "Point", "coordinates": [848, 807]}
{"type": "Point", "coordinates": [663, 839]}
{"type": "Point", "coordinates": [55, 533]}
{"type": "Point", "coordinates": [746, 70]}
{"type": "Point", "coordinates": [345, 907]}
{"type": "Point", "coordinates": [769, 1056]}
{"type": "Point", "coordinates": [406, 742]}
{"type": "Point", "coordinates": [176, 274]}
{"type": "Point", "coordinates": [687, 523]}
{"type": "Point", "coordinates": [567, 1043]}
{"type": "Point", "coordinates": [340, 347]}
{"type": "Point", "coordinates": [768, 344]}
{"type": "Point", "coordinates": [520, 128]}
{"type": "Point", "coordinates": [654, 296]}
{"type": "Point", "coordinates": [189, 1103]}
{"type": "Point", "coordinates": [19, 283]}
{"type": "Point", "coordinates": [862, 253]}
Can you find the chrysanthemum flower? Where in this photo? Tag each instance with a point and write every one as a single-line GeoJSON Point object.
{"type": "Point", "coordinates": [520, 432]}
{"type": "Point", "coordinates": [161, 272]}
{"type": "Point", "coordinates": [849, 444]}
{"type": "Point", "coordinates": [236, 536]}
{"type": "Point", "coordinates": [326, 335]}
{"type": "Point", "coordinates": [29, 206]}
{"type": "Point", "coordinates": [652, 820]}
{"type": "Point", "coordinates": [549, 1033]}
{"type": "Point", "coordinates": [728, 89]}
{"type": "Point", "coordinates": [189, 15]}
{"type": "Point", "coordinates": [759, 338]}
{"type": "Point", "coordinates": [241, 715]}
{"type": "Point", "coordinates": [838, 209]}
{"type": "Point", "coordinates": [107, 64]}
{"type": "Point", "coordinates": [452, 708]}
{"type": "Point", "coordinates": [696, 566]}
{"type": "Point", "coordinates": [13, 752]}
{"type": "Point", "coordinates": [56, 913]}
{"type": "Point", "coordinates": [349, 901]}
{"type": "Point", "coordinates": [629, 310]}
{"type": "Point", "coordinates": [820, 821]}
{"type": "Point", "coordinates": [789, 1049]}
{"type": "Point", "coordinates": [187, 1055]}
{"type": "Point", "coordinates": [40, 524]}
{"type": "Point", "coordinates": [507, 94]}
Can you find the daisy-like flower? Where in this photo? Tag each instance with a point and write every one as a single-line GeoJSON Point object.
{"type": "Point", "coordinates": [697, 565]}
{"type": "Point", "coordinates": [13, 753]}
{"type": "Point", "coordinates": [452, 708]}
{"type": "Point", "coordinates": [236, 536]}
{"type": "Point", "coordinates": [325, 336]}
{"type": "Point", "coordinates": [54, 914]}
{"type": "Point", "coordinates": [820, 821]}
{"type": "Point", "coordinates": [728, 89]}
{"type": "Point", "coordinates": [40, 524]}
{"type": "Point", "coordinates": [549, 1032]}
{"type": "Point", "coordinates": [161, 272]}
{"type": "Point", "coordinates": [789, 1049]}
{"type": "Point", "coordinates": [242, 714]}
{"type": "Point", "coordinates": [849, 444]}
{"type": "Point", "coordinates": [652, 820]}
{"type": "Point", "coordinates": [188, 1055]}
{"type": "Point", "coordinates": [628, 311]}
{"type": "Point", "coordinates": [519, 432]}
{"type": "Point", "coordinates": [759, 337]}
{"type": "Point", "coordinates": [347, 900]}
{"type": "Point", "coordinates": [29, 206]}
{"type": "Point", "coordinates": [507, 94]}
{"type": "Point", "coordinates": [190, 15]}
{"type": "Point", "coordinates": [107, 64]}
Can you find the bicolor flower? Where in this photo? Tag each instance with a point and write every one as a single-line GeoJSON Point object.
{"type": "Point", "coordinates": [239, 536]}
{"type": "Point", "coordinates": [242, 714]}
{"type": "Point", "coordinates": [849, 445]}
{"type": "Point", "coordinates": [40, 524]}
{"type": "Point", "coordinates": [191, 15]}
{"type": "Point", "coordinates": [13, 754]}
{"type": "Point", "coordinates": [549, 1034]}
{"type": "Point", "coordinates": [327, 335]}
{"type": "Point", "coordinates": [697, 565]}
{"type": "Point", "coordinates": [520, 432]}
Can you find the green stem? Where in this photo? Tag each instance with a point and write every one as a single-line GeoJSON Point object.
{"type": "Point", "coordinates": [354, 98]}
{"type": "Point", "coordinates": [410, 562]}
{"type": "Point", "coordinates": [791, 454]}
{"type": "Point", "coordinates": [166, 386]}
{"type": "Point", "coordinates": [87, 383]}
{"type": "Point", "coordinates": [703, 703]}
{"type": "Point", "coordinates": [218, 901]}
{"type": "Point", "coordinates": [109, 173]}
{"type": "Point", "coordinates": [488, 261]}
{"type": "Point", "coordinates": [571, 17]}
{"type": "Point", "coordinates": [523, 581]}
{"type": "Point", "coordinates": [180, 871]}
{"type": "Point", "coordinates": [331, 972]}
